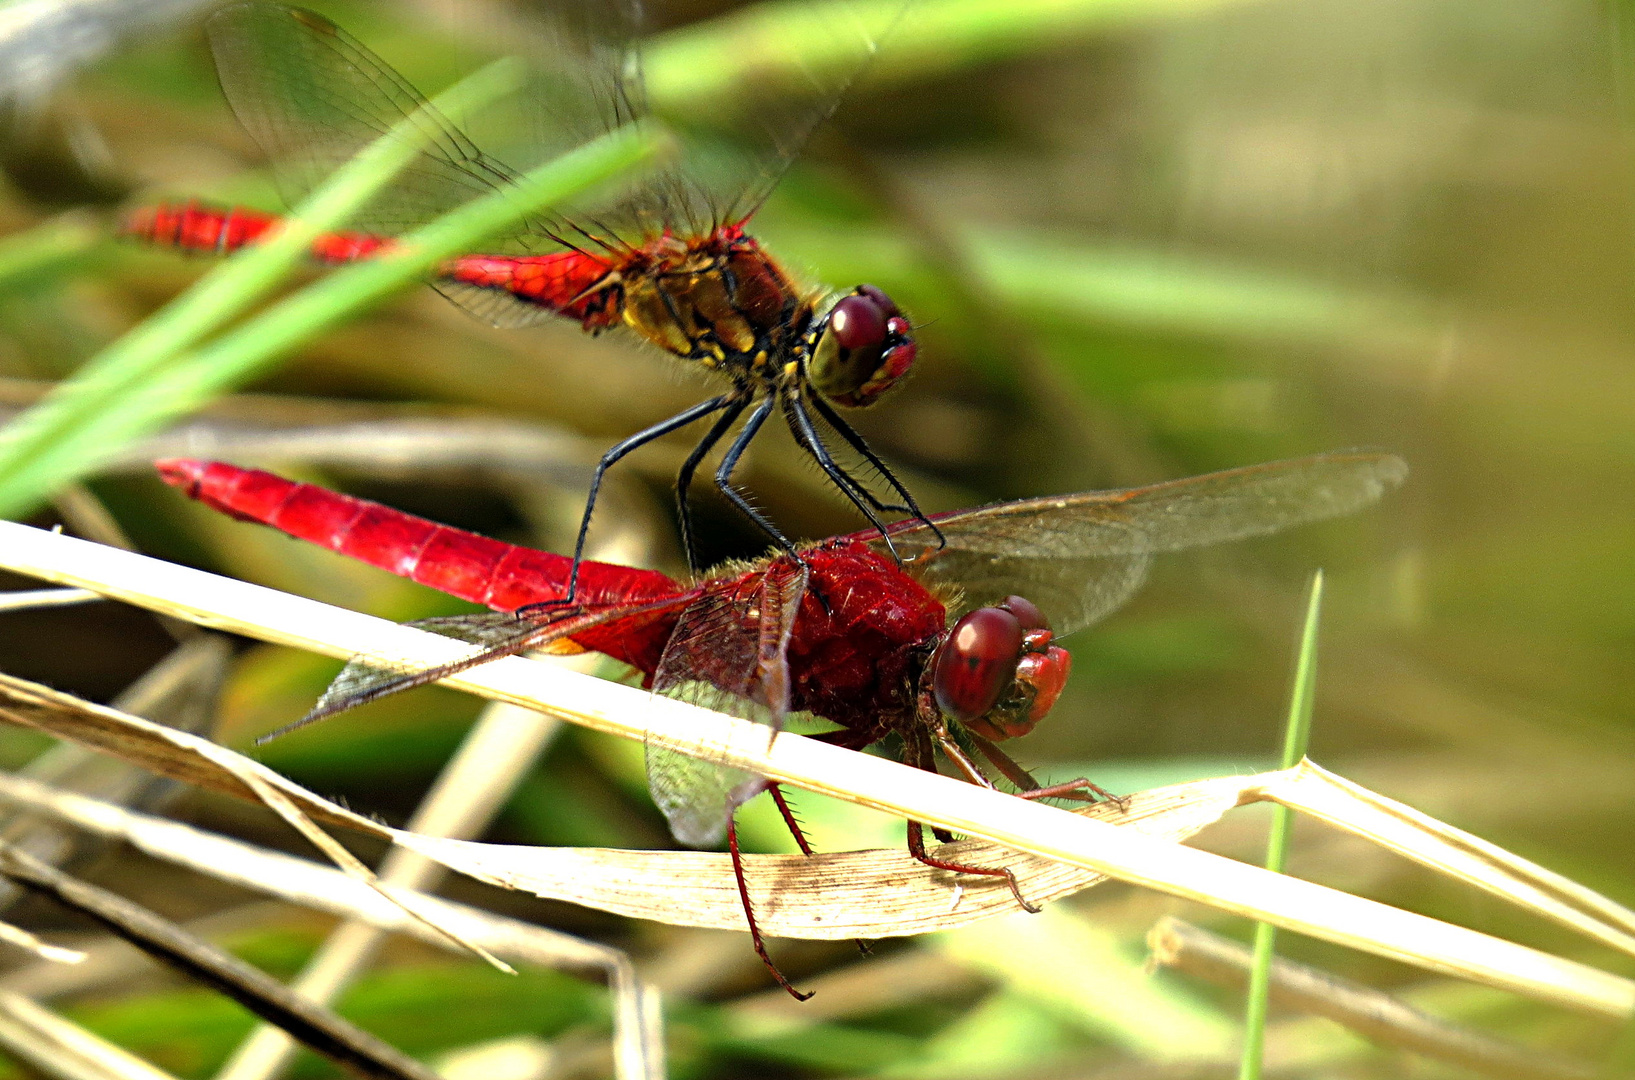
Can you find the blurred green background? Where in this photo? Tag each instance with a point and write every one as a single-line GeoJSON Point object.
{"type": "Point", "coordinates": [1141, 240]}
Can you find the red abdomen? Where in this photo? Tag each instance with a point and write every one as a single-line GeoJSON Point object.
{"type": "Point", "coordinates": [474, 568]}
{"type": "Point", "coordinates": [569, 283]}
{"type": "Point", "coordinates": [216, 230]}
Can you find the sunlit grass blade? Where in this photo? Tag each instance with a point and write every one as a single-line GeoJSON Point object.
{"type": "Point", "coordinates": [174, 387]}
{"type": "Point", "coordinates": [795, 40]}
{"type": "Point", "coordinates": [1296, 736]}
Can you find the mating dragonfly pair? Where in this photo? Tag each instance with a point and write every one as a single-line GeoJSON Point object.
{"type": "Point", "coordinates": [941, 630]}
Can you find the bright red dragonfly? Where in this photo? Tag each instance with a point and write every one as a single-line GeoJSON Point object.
{"type": "Point", "coordinates": [941, 650]}
{"type": "Point", "coordinates": [668, 259]}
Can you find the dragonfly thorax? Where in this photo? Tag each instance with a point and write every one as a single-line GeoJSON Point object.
{"type": "Point", "coordinates": [720, 300]}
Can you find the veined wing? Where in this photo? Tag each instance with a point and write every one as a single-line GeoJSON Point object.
{"type": "Point", "coordinates": [312, 96]}
{"type": "Point", "coordinates": [1081, 556]}
{"type": "Point", "coordinates": [494, 635]}
{"type": "Point", "coordinates": [729, 652]}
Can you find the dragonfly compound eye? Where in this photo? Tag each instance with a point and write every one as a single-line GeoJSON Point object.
{"type": "Point", "coordinates": [1000, 673]}
{"type": "Point", "coordinates": [864, 349]}
{"type": "Point", "coordinates": [977, 663]}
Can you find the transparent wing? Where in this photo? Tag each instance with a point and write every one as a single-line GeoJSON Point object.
{"type": "Point", "coordinates": [729, 652]}
{"type": "Point", "coordinates": [312, 96]}
{"type": "Point", "coordinates": [366, 679]}
{"type": "Point", "coordinates": [494, 634]}
{"type": "Point", "coordinates": [1080, 556]}
{"type": "Point", "coordinates": [750, 113]}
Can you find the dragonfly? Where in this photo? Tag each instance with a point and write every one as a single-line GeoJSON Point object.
{"type": "Point", "coordinates": [953, 650]}
{"type": "Point", "coordinates": [668, 258]}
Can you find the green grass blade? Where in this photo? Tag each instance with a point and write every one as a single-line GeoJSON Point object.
{"type": "Point", "coordinates": [1296, 736]}
{"type": "Point", "coordinates": [795, 41]}
{"type": "Point", "coordinates": [195, 378]}
{"type": "Point", "coordinates": [223, 294]}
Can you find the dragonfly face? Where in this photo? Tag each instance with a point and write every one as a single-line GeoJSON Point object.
{"type": "Point", "coordinates": [864, 347]}
{"type": "Point", "coordinates": [998, 671]}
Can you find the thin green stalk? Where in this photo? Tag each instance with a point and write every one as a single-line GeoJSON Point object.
{"type": "Point", "coordinates": [1296, 737]}
{"type": "Point", "coordinates": [195, 378]}
{"type": "Point", "coordinates": [224, 293]}
{"type": "Point", "coordinates": [796, 41]}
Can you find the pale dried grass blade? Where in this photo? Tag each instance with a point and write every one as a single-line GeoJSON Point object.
{"type": "Point", "coordinates": [17, 937]}
{"type": "Point", "coordinates": [883, 785]}
{"type": "Point", "coordinates": [1374, 1015]}
{"type": "Point", "coordinates": [341, 1042]}
{"type": "Point", "coordinates": [35, 599]}
{"type": "Point", "coordinates": [63, 1050]}
{"type": "Point", "coordinates": [832, 896]}
{"type": "Point", "coordinates": [1314, 790]}
{"type": "Point", "coordinates": [835, 895]}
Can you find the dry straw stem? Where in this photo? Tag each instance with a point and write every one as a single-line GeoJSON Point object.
{"type": "Point", "coordinates": [322, 888]}
{"type": "Point", "coordinates": [1017, 824]}
{"type": "Point", "coordinates": [323, 1031]}
{"type": "Point", "coordinates": [1370, 1013]}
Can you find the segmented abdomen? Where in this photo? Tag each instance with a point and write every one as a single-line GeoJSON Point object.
{"type": "Point", "coordinates": [218, 230]}
{"type": "Point", "coordinates": [489, 572]}
{"type": "Point", "coordinates": [569, 283]}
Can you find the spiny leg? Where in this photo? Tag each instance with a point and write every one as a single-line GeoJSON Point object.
{"type": "Point", "coordinates": [789, 818]}
{"type": "Point", "coordinates": [617, 453]}
{"type": "Point", "coordinates": [684, 477]}
{"type": "Point", "coordinates": [918, 751]}
{"type": "Point", "coordinates": [806, 432]}
{"type": "Point", "coordinates": [847, 432]}
{"type": "Point", "coordinates": [861, 497]}
{"type": "Point", "coordinates": [729, 462]}
{"type": "Point", "coordinates": [749, 912]}
{"type": "Point", "coordinates": [1016, 774]}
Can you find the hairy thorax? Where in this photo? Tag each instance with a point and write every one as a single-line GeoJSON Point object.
{"type": "Point", "coordinates": [864, 633]}
{"type": "Point", "coordinates": [720, 300]}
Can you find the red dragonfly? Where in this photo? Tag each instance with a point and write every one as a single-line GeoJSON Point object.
{"type": "Point", "coordinates": [842, 631]}
{"type": "Point", "coordinates": [668, 259]}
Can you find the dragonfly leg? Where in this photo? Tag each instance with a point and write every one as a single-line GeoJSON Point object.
{"type": "Point", "coordinates": [684, 476]}
{"type": "Point", "coordinates": [795, 404]}
{"type": "Point", "coordinates": [856, 442]}
{"type": "Point", "coordinates": [729, 462]}
{"type": "Point", "coordinates": [749, 913]}
{"type": "Point", "coordinates": [618, 453]}
{"type": "Point", "coordinates": [919, 753]}
{"type": "Point", "coordinates": [916, 848]}
{"type": "Point", "coordinates": [806, 434]}
{"type": "Point", "coordinates": [789, 817]}
{"type": "Point", "coordinates": [1030, 788]}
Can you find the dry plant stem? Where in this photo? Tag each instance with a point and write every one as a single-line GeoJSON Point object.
{"type": "Point", "coordinates": [938, 801]}
{"type": "Point", "coordinates": [34, 599]}
{"type": "Point", "coordinates": [319, 1029]}
{"type": "Point", "coordinates": [179, 690]}
{"type": "Point", "coordinates": [1376, 1016]}
{"type": "Point", "coordinates": [500, 748]}
{"type": "Point", "coordinates": [62, 1050]}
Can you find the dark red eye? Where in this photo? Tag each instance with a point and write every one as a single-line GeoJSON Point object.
{"type": "Point", "coordinates": [881, 300]}
{"type": "Point", "coordinates": [1026, 612]}
{"type": "Point", "coordinates": [977, 662]}
{"type": "Point", "coordinates": [857, 322]}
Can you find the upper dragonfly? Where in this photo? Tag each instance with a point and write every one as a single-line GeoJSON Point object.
{"type": "Point", "coordinates": [667, 257]}
{"type": "Point", "coordinates": [953, 651]}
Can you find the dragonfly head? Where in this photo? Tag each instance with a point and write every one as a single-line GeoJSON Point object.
{"type": "Point", "coordinates": [864, 347]}
{"type": "Point", "coordinates": [998, 672]}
